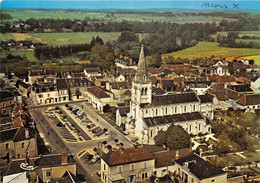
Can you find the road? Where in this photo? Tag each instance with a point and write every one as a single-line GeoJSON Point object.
{"type": "Point", "coordinates": [59, 145]}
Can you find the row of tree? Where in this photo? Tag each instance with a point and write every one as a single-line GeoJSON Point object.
{"type": "Point", "coordinates": [232, 41]}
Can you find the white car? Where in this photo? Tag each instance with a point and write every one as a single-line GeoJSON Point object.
{"type": "Point", "coordinates": [52, 115]}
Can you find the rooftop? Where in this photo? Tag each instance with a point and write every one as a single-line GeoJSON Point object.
{"type": "Point", "coordinates": [173, 118]}
{"type": "Point", "coordinates": [127, 155]}
{"type": "Point", "coordinates": [199, 167]}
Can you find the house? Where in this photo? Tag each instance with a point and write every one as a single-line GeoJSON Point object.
{"type": "Point", "coordinates": [255, 86]}
{"type": "Point", "coordinates": [52, 167]}
{"type": "Point", "coordinates": [168, 85]}
{"type": "Point", "coordinates": [118, 88]}
{"type": "Point", "coordinates": [193, 168]}
{"type": "Point", "coordinates": [222, 79]}
{"type": "Point", "coordinates": [78, 87]}
{"type": "Point", "coordinates": [178, 68]}
{"type": "Point", "coordinates": [249, 101]}
{"type": "Point", "coordinates": [34, 75]}
{"type": "Point", "coordinates": [134, 164]}
{"type": "Point", "coordinates": [150, 113]}
{"type": "Point", "coordinates": [98, 97]}
{"type": "Point", "coordinates": [199, 87]}
{"type": "Point", "coordinates": [218, 70]}
{"type": "Point", "coordinates": [7, 101]}
{"type": "Point", "coordinates": [18, 143]}
{"type": "Point", "coordinates": [23, 88]}
{"type": "Point", "coordinates": [125, 62]}
{"type": "Point", "coordinates": [139, 163]}
{"type": "Point", "coordinates": [121, 114]}
{"type": "Point", "coordinates": [44, 93]}
{"type": "Point", "coordinates": [90, 72]}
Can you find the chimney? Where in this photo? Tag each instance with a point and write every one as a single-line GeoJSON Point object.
{"type": "Point", "coordinates": [121, 147]}
{"type": "Point", "coordinates": [120, 56]}
{"type": "Point", "coordinates": [26, 133]}
{"type": "Point", "coordinates": [134, 144]}
{"type": "Point", "coordinates": [64, 158]}
{"type": "Point", "coordinates": [31, 162]}
{"type": "Point", "coordinates": [29, 72]}
{"type": "Point", "coordinates": [131, 61]}
{"type": "Point", "coordinates": [44, 71]}
{"type": "Point", "coordinates": [125, 58]}
{"type": "Point", "coordinates": [177, 156]}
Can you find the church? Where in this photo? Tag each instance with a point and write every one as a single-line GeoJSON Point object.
{"type": "Point", "coordinates": [150, 113]}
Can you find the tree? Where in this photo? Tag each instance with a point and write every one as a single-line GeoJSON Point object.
{"type": "Point", "coordinates": [21, 71]}
{"type": "Point", "coordinates": [155, 60]}
{"type": "Point", "coordinates": [160, 138]}
{"type": "Point", "coordinates": [175, 137]}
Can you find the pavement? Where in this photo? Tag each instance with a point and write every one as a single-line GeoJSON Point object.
{"type": "Point", "coordinates": [64, 139]}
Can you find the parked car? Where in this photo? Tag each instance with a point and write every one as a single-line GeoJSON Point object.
{"type": "Point", "coordinates": [89, 157]}
{"type": "Point", "coordinates": [52, 115]}
{"type": "Point", "coordinates": [95, 159]}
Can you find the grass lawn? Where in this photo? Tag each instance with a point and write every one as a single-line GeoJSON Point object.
{"type": "Point", "coordinates": [60, 38]}
{"type": "Point", "coordinates": [207, 49]}
{"type": "Point", "coordinates": [228, 160]}
{"type": "Point", "coordinates": [81, 15]}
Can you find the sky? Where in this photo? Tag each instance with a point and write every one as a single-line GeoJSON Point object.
{"type": "Point", "coordinates": [129, 4]}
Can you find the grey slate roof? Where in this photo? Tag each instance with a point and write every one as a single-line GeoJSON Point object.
{"type": "Point", "coordinates": [174, 98]}
{"type": "Point", "coordinates": [173, 118]}
{"type": "Point", "coordinates": [199, 167]}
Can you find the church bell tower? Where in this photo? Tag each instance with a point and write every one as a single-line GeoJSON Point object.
{"type": "Point", "coordinates": [141, 86]}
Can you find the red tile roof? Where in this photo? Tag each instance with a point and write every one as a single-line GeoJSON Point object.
{"type": "Point", "coordinates": [244, 80]}
{"type": "Point", "coordinates": [98, 92]}
{"type": "Point", "coordinates": [127, 155]}
{"type": "Point", "coordinates": [250, 99]}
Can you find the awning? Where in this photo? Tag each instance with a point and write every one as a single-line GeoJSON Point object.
{"type": "Point", "coordinates": [116, 177]}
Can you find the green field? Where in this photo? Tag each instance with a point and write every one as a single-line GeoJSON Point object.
{"type": "Point", "coordinates": [207, 49]}
{"type": "Point", "coordinates": [60, 38]}
{"type": "Point", "coordinates": [81, 15]}
{"type": "Point", "coordinates": [28, 54]}
{"type": "Point", "coordinates": [249, 40]}
{"type": "Point", "coordinates": [240, 33]}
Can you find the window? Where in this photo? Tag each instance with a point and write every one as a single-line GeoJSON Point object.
{"type": "Point", "coordinates": [7, 146]}
{"type": "Point", "coordinates": [194, 107]}
{"type": "Point", "coordinates": [156, 111]}
{"type": "Point", "coordinates": [132, 178]}
{"type": "Point", "coordinates": [104, 166]}
{"type": "Point", "coordinates": [146, 111]}
{"type": "Point", "coordinates": [155, 173]}
{"type": "Point", "coordinates": [185, 108]}
{"type": "Point", "coordinates": [18, 156]}
{"type": "Point", "coordinates": [166, 110]}
{"type": "Point", "coordinates": [48, 173]}
{"type": "Point", "coordinates": [144, 175]}
{"type": "Point", "coordinates": [132, 167]}
{"type": "Point", "coordinates": [209, 129]}
{"type": "Point", "coordinates": [212, 181]}
{"type": "Point", "coordinates": [3, 104]}
{"type": "Point", "coordinates": [119, 169]}
{"type": "Point", "coordinates": [22, 144]}
{"type": "Point", "coordinates": [151, 133]}
{"type": "Point", "coordinates": [164, 171]}
{"type": "Point", "coordinates": [175, 110]}
{"type": "Point", "coordinates": [199, 127]}
{"type": "Point", "coordinates": [190, 127]}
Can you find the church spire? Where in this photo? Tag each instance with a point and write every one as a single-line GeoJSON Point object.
{"type": "Point", "coordinates": [141, 73]}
